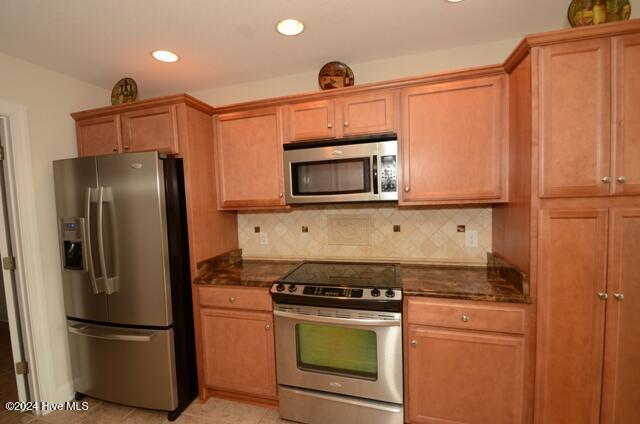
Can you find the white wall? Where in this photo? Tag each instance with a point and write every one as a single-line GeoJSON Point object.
{"type": "Point", "coordinates": [379, 70]}
{"type": "Point", "coordinates": [49, 98]}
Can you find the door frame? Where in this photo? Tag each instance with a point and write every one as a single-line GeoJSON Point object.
{"type": "Point", "coordinates": [29, 277]}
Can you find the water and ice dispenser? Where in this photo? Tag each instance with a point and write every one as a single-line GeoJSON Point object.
{"type": "Point", "coordinates": [74, 256]}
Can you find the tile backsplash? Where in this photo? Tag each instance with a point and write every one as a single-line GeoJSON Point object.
{"type": "Point", "coordinates": [366, 232]}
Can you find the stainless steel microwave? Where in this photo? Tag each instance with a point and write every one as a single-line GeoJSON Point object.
{"type": "Point", "coordinates": [341, 171]}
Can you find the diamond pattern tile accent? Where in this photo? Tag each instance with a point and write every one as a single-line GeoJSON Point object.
{"type": "Point", "coordinates": [427, 235]}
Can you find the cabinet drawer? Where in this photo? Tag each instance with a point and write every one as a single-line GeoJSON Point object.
{"type": "Point", "coordinates": [498, 318]}
{"type": "Point", "coordinates": [257, 299]}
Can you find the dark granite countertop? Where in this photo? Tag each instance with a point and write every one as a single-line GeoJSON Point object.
{"type": "Point", "coordinates": [497, 282]}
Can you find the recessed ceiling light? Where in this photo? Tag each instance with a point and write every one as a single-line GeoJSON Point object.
{"type": "Point", "coordinates": [290, 27]}
{"type": "Point", "coordinates": [165, 56]}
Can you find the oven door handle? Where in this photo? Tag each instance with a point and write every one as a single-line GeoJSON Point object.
{"type": "Point", "coordinates": [354, 322]}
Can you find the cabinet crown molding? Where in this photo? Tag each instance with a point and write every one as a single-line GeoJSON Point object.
{"type": "Point", "coordinates": [145, 104]}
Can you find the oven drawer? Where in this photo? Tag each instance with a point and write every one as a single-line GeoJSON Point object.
{"type": "Point", "coordinates": [471, 316]}
{"type": "Point", "coordinates": [255, 299]}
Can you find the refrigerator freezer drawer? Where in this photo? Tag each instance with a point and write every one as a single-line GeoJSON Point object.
{"type": "Point", "coordinates": [128, 366]}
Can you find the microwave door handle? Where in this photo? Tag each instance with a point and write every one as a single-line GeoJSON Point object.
{"type": "Point", "coordinates": [87, 237]}
{"type": "Point", "coordinates": [374, 174]}
{"type": "Point", "coordinates": [352, 322]}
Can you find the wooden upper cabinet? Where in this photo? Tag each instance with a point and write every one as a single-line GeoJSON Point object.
{"type": "Point", "coordinates": [454, 140]}
{"type": "Point", "coordinates": [368, 113]}
{"type": "Point", "coordinates": [575, 118]}
{"type": "Point", "coordinates": [99, 136]}
{"type": "Point", "coordinates": [150, 129]}
{"type": "Point", "coordinates": [342, 116]}
{"type": "Point", "coordinates": [572, 273]}
{"type": "Point", "coordinates": [464, 377]}
{"type": "Point", "coordinates": [238, 351]}
{"type": "Point", "coordinates": [249, 158]}
{"type": "Point", "coordinates": [311, 120]}
{"type": "Point", "coordinates": [621, 389]}
{"type": "Point", "coordinates": [626, 113]}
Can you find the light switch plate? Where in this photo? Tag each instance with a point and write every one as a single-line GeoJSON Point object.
{"type": "Point", "coordinates": [471, 238]}
{"type": "Point", "coordinates": [264, 238]}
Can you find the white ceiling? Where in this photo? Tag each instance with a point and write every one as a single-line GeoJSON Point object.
{"type": "Point", "coordinates": [223, 42]}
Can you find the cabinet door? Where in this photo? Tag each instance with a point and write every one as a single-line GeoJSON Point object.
{"type": "Point", "coordinates": [626, 109]}
{"type": "Point", "coordinates": [311, 120]}
{"type": "Point", "coordinates": [151, 129]}
{"type": "Point", "coordinates": [454, 141]}
{"type": "Point", "coordinates": [238, 351]}
{"type": "Point", "coordinates": [464, 377]}
{"type": "Point", "coordinates": [249, 158]}
{"type": "Point", "coordinates": [574, 118]}
{"type": "Point", "coordinates": [621, 395]}
{"type": "Point", "coordinates": [99, 136]}
{"type": "Point", "coordinates": [570, 316]}
{"type": "Point", "coordinates": [368, 113]}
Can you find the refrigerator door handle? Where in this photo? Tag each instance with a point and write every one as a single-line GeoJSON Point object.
{"type": "Point", "coordinates": [98, 333]}
{"type": "Point", "coordinates": [89, 250]}
{"type": "Point", "coordinates": [100, 233]}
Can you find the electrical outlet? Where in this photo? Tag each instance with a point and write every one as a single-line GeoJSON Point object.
{"type": "Point", "coordinates": [264, 239]}
{"type": "Point", "coordinates": [471, 238]}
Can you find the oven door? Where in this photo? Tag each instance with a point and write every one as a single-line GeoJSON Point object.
{"type": "Point", "coordinates": [344, 351]}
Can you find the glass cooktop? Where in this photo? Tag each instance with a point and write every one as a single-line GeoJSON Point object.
{"type": "Point", "coordinates": [365, 275]}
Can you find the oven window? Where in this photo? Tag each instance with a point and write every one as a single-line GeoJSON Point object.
{"type": "Point", "coordinates": [337, 350]}
{"type": "Point", "coordinates": [329, 177]}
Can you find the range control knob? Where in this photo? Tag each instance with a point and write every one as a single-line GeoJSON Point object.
{"type": "Point", "coordinates": [390, 293]}
{"type": "Point", "coordinates": [292, 288]}
{"type": "Point", "coordinates": [375, 292]}
{"type": "Point", "coordinates": [280, 287]}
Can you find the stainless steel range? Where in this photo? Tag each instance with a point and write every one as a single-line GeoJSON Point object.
{"type": "Point", "coordinates": [338, 329]}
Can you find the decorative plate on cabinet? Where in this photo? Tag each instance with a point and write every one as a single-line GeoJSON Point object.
{"type": "Point", "coordinates": [593, 12]}
{"type": "Point", "coordinates": [125, 91]}
{"type": "Point", "coordinates": [335, 75]}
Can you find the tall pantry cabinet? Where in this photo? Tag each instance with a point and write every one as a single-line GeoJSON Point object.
{"type": "Point", "coordinates": [582, 209]}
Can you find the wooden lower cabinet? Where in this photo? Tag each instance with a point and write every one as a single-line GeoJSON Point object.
{"type": "Point", "coordinates": [464, 377]}
{"type": "Point", "coordinates": [464, 361]}
{"type": "Point", "coordinates": [238, 351]}
{"type": "Point", "coordinates": [621, 388]}
{"type": "Point", "coordinates": [571, 315]}
{"type": "Point", "coordinates": [588, 347]}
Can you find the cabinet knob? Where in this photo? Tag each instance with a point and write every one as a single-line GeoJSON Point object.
{"type": "Point", "coordinates": [406, 189]}
{"type": "Point", "coordinates": [346, 123]}
{"type": "Point", "coordinates": [280, 194]}
{"type": "Point", "coordinates": [622, 179]}
{"type": "Point", "coordinates": [329, 125]}
{"type": "Point", "coordinates": [267, 327]}
{"type": "Point", "coordinates": [606, 179]}
{"type": "Point", "coordinates": [603, 296]}
{"type": "Point", "coordinates": [618, 296]}
{"type": "Point", "coordinates": [414, 343]}
{"type": "Point", "coordinates": [115, 149]}
{"type": "Point", "coordinates": [465, 318]}
{"type": "Point", "coordinates": [232, 299]}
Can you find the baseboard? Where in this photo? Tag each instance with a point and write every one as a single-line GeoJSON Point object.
{"type": "Point", "coordinates": [253, 400]}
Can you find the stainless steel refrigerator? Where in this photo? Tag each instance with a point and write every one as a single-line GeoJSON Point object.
{"type": "Point", "coordinates": [125, 277]}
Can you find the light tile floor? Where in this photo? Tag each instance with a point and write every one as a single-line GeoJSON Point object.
{"type": "Point", "coordinates": [214, 411]}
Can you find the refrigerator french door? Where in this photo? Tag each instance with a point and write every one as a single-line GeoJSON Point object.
{"type": "Point", "coordinates": [125, 276]}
